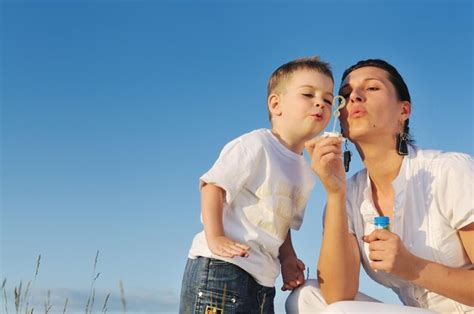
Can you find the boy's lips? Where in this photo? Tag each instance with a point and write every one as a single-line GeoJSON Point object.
{"type": "Point", "coordinates": [317, 116]}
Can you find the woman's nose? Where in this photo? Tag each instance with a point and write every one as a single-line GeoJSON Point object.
{"type": "Point", "coordinates": [356, 96]}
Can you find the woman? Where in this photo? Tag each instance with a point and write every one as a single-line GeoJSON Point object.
{"type": "Point", "coordinates": [427, 255]}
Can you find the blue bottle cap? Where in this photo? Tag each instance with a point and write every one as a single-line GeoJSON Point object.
{"type": "Point", "coordinates": [382, 220]}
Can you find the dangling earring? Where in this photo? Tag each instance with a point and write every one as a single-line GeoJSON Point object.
{"type": "Point", "coordinates": [347, 154]}
{"type": "Point", "coordinates": [402, 140]}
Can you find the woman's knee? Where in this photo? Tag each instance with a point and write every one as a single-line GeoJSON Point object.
{"type": "Point", "coordinates": [307, 298]}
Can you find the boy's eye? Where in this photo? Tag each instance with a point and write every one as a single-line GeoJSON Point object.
{"type": "Point", "coordinates": [328, 102]}
{"type": "Point", "coordinates": [308, 95]}
{"type": "Point", "coordinates": [372, 88]}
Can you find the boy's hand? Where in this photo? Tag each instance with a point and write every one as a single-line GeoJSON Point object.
{"type": "Point", "coordinates": [292, 271]}
{"type": "Point", "coordinates": [223, 246]}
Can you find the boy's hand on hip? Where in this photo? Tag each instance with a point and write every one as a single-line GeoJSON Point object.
{"type": "Point", "coordinates": [292, 271]}
{"type": "Point", "coordinates": [223, 246]}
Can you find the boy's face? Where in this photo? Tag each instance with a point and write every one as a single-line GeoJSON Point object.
{"type": "Point", "coordinates": [305, 103]}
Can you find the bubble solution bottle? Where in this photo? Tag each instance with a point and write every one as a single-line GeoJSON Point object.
{"type": "Point", "coordinates": [382, 222]}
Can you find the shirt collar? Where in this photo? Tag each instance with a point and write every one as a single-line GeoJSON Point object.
{"type": "Point", "coordinates": [368, 209]}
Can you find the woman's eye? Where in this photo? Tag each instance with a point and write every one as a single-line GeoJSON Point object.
{"type": "Point", "coordinates": [372, 88]}
{"type": "Point", "coordinates": [345, 94]}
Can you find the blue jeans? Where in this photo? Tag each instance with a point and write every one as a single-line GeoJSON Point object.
{"type": "Point", "coordinates": [214, 286]}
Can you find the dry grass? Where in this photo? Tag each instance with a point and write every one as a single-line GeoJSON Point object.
{"type": "Point", "coordinates": [22, 296]}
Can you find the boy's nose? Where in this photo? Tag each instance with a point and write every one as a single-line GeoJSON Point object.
{"type": "Point", "coordinates": [318, 103]}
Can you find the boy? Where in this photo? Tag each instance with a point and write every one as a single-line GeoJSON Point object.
{"type": "Point", "coordinates": [255, 192]}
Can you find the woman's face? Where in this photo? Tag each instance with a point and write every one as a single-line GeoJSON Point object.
{"type": "Point", "coordinates": [373, 112]}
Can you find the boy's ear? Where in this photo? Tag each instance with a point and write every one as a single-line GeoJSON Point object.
{"type": "Point", "coordinates": [273, 103]}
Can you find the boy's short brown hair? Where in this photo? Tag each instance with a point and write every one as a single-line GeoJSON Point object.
{"type": "Point", "coordinates": [283, 73]}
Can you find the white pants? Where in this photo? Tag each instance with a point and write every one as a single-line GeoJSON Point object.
{"type": "Point", "coordinates": [308, 299]}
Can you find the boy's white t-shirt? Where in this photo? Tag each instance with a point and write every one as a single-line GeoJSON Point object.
{"type": "Point", "coordinates": [267, 187]}
{"type": "Point", "coordinates": [434, 198]}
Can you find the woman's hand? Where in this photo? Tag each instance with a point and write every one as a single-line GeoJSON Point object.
{"type": "Point", "coordinates": [388, 253]}
{"type": "Point", "coordinates": [325, 154]}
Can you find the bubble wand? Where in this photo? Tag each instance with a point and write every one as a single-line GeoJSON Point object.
{"type": "Point", "coordinates": [336, 114]}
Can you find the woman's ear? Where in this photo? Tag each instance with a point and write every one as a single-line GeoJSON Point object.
{"type": "Point", "coordinates": [405, 110]}
{"type": "Point", "coordinates": [273, 103]}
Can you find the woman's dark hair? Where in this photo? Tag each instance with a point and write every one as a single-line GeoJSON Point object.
{"type": "Point", "coordinates": [394, 77]}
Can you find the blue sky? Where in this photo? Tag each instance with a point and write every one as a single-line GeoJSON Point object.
{"type": "Point", "coordinates": [111, 110]}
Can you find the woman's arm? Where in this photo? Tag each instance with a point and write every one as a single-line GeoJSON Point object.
{"type": "Point", "coordinates": [339, 259]}
{"type": "Point", "coordinates": [388, 253]}
{"type": "Point", "coordinates": [454, 283]}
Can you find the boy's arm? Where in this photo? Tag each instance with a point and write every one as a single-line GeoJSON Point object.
{"type": "Point", "coordinates": [292, 269]}
{"type": "Point", "coordinates": [212, 204]}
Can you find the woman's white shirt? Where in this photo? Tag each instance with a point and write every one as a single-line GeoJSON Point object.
{"type": "Point", "coordinates": [434, 198]}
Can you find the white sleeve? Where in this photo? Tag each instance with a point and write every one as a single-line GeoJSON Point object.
{"type": "Point", "coordinates": [456, 189]}
{"type": "Point", "coordinates": [232, 169]}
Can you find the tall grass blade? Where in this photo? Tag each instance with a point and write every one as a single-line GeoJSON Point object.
{"type": "Point", "coordinates": [17, 293]}
{"type": "Point", "coordinates": [104, 308]}
{"type": "Point", "coordinates": [29, 287]}
{"type": "Point", "coordinates": [65, 305]}
{"type": "Point", "coordinates": [25, 297]}
{"type": "Point", "coordinates": [122, 297]}
{"type": "Point", "coordinates": [47, 304]}
{"type": "Point", "coordinates": [5, 300]}
{"type": "Point", "coordinates": [90, 299]}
